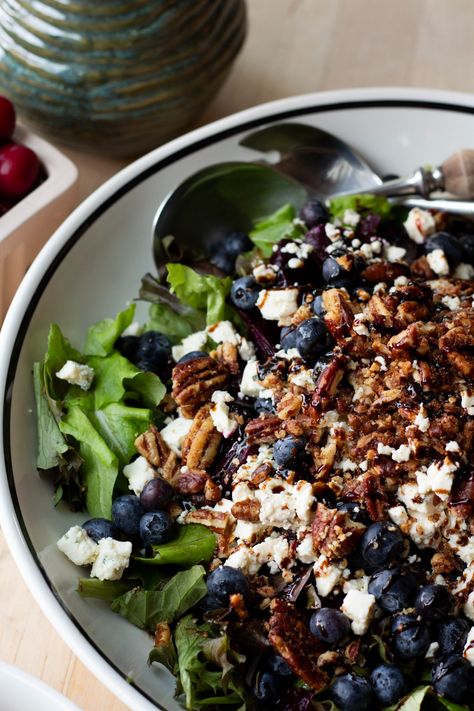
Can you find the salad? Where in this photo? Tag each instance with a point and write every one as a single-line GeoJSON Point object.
{"type": "Point", "coordinates": [275, 469]}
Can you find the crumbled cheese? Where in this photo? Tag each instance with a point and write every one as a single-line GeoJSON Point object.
{"type": "Point", "coordinates": [195, 342]}
{"type": "Point", "coordinates": [453, 303]}
{"type": "Point", "coordinates": [112, 559]}
{"type": "Point", "coordinates": [393, 253]}
{"type": "Point", "coordinates": [400, 281]}
{"type": "Point", "coordinates": [76, 374]}
{"type": "Point", "coordinates": [366, 251]}
{"type": "Point", "coordinates": [303, 379]}
{"type": "Point", "coordinates": [265, 273]}
{"type": "Point", "coordinates": [355, 244]}
{"type": "Point", "coordinates": [290, 354]}
{"type": "Point", "coordinates": [305, 550]}
{"type": "Point", "coordinates": [283, 504]}
{"type": "Point", "coordinates": [175, 433]}
{"type": "Point", "coordinates": [244, 559]}
{"type": "Point", "coordinates": [295, 263]}
{"type": "Point", "coordinates": [78, 546]}
{"type": "Point", "coordinates": [425, 518]}
{"type": "Point", "coordinates": [220, 413]}
{"type": "Point", "coordinates": [421, 420]}
{"type": "Point", "coordinates": [247, 531]}
{"type": "Point", "coordinates": [468, 608]}
{"type": "Point", "coordinates": [327, 575]}
{"type": "Point", "coordinates": [301, 250]}
{"type": "Point", "coordinates": [360, 327]}
{"type": "Point", "coordinates": [359, 608]}
{"type": "Point", "coordinates": [332, 232]}
{"type": "Point", "coordinates": [278, 304]}
{"type": "Point", "coordinates": [401, 454]}
{"type": "Point", "coordinates": [438, 262]}
{"type": "Point", "coordinates": [468, 651]}
{"type": "Point", "coordinates": [246, 349]}
{"type": "Point", "coordinates": [419, 224]}
{"type": "Point", "coordinates": [376, 246]}
{"type": "Point", "coordinates": [224, 332]}
{"type": "Point", "coordinates": [361, 584]}
{"type": "Point", "coordinates": [274, 551]}
{"type": "Point", "coordinates": [135, 329]}
{"type": "Point", "coordinates": [452, 446]}
{"type": "Point", "coordinates": [464, 271]}
{"type": "Point", "coordinates": [138, 473]}
{"type": "Point", "coordinates": [398, 515]}
{"type": "Point", "coordinates": [438, 478]}
{"type": "Point", "coordinates": [247, 469]}
{"type": "Point", "coordinates": [467, 401]}
{"type": "Point", "coordinates": [351, 218]}
{"type": "Point", "coordinates": [381, 360]}
{"type": "Point", "coordinates": [250, 384]}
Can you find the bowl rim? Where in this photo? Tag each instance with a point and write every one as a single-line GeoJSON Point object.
{"type": "Point", "coordinates": [61, 175]}
{"type": "Point", "coordinates": [23, 305]}
{"type": "Point", "coordinates": [22, 679]}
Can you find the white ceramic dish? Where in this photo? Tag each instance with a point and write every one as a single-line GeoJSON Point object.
{"type": "Point", "coordinates": [92, 266]}
{"type": "Point", "coordinates": [20, 692]}
{"type": "Point", "coordinates": [25, 228]}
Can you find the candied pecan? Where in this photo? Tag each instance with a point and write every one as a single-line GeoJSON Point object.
{"type": "Point", "coordinates": [302, 314]}
{"type": "Point", "coordinates": [195, 381]}
{"type": "Point", "coordinates": [227, 354]}
{"type": "Point", "coordinates": [409, 312]}
{"type": "Point", "coordinates": [246, 510]}
{"type": "Point", "coordinates": [264, 471]}
{"type": "Point", "coordinates": [324, 458]}
{"type": "Point", "coordinates": [152, 446]}
{"type": "Point", "coordinates": [421, 268]}
{"type": "Point", "coordinates": [369, 490]}
{"type": "Point", "coordinates": [443, 561]}
{"type": "Point", "coordinates": [162, 634]}
{"type": "Point", "coordinates": [339, 315]}
{"type": "Point", "coordinates": [415, 337]}
{"type": "Point", "coordinates": [202, 441]}
{"type": "Point", "coordinates": [212, 491]}
{"type": "Point", "coordinates": [384, 271]}
{"type": "Point", "coordinates": [289, 406]}
{"type": "Point", "coordinates": [263, 430]}
{"type": "Point", "coordinates": [379, 312]}
{"type": "Point", "coordinates": [290, 636]}
{"type": "Point", "coordinates": [328, 380]}
{"type": "Point", "coordinates": [462, 362]}
{"type": "Point", "coordinates": [334, 533]}
{"type": "Point", "coordinates": [237, 603]}
{"type": "Point", "coordinates": [217, 521]}
{"type": "Point", "coordinates": [191, 481]}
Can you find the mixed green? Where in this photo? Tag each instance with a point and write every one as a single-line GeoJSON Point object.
{"type": "Point", "coordinates": [276, 466]}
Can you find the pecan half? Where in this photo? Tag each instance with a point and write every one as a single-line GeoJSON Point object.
{"type": "Point", "coordinates": [263, 430]}
{"type": "Point", "coordinates": [217, 521]}
{"type": "Point", "coordinates": [192, 481]}
{"type": "Point", "coordinates": [153, 447]}
{"type": "Point", "coordinates": [227, 354]}
{"type": "Point", "coordinates": [195, 381]}
{"type": "Point", "coordinates": [290, 636]}
{"type": "Point", "coordinates": [202, 441]}
{"type": "Point", "coordinates": [334, 533]}
{"type": "Point", "coordinates": [246, 510]}
{"type": "Point", "coordinates": [384, 271]}
{"type": "Point", "coordinates": [339, 316]}
{"type": "Point", "coordinates": [329, 379]}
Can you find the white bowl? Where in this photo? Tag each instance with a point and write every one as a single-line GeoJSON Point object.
{"type": "Point", "coordinates": [25, 227]}
{"type": "Point", "coordinates": [92, 266]}
{"type": "Point", "coordinates": [21, 691]}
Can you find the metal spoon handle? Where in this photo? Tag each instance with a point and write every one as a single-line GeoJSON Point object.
{"type": "Point", "coordinates": [457, 207]}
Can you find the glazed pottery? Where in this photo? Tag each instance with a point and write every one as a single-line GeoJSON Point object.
{"type": "Point", "coordinates": [116, 77]}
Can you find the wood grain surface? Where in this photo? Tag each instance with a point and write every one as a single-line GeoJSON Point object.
{"type": "Point", "coordinates": [293, 47]}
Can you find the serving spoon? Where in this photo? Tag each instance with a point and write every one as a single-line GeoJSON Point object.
{"type": "Point", "coordinates": [298, 160]}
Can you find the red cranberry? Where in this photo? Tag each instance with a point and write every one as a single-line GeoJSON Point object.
{"type": "Point", "coordinates": [19, 169]}
{"type": "Point", "coordinates": [7, 118]}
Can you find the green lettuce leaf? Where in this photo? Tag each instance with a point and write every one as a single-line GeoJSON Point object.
{"type": "Point", "coordinates": [274, 228]}
{"type": "Point", "coordinates": [360, 203]}
{"type": "Point", "coordinates": [200, 291]}
{"type": "Point", "coordinates": [413, 701]}
{"type": "Point", "coordinates": [165, 654]}
{"type": "Point", "coordinates": [450, 705]}
{"type": "Point", "coordinates": [58, 351]}
{"type": "Point", "coordinates": [145, 608]}
{"type": "Point", "coordinates": [101, 336]}
{"type": "Point", "coordinates": [108, 590]}
{"type": "Point", "coordinates": [194, 544]}
{"type": "Point", "coordinates": [51, 442]}
{"type": "Point", "coordinates": [201, 678]}
{"type": "Point", "coordinates": [167, 314]}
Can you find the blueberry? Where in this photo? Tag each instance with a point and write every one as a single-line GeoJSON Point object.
{"type": "Point", "coordinates": [244, 293]}
{"type": "Point", "coordinates": [209, 603]}
{"type": "Point", "coordinates": [381, 543]}
{"type": "Point", "coordinates": [156, 527]}
{"type": "Point", "coordinates": [434, 602]}
{"type": "Point", "coordinates": [223, 261]}
{"type": "Point", "coordinates": [193, 355]}
{"type": "Point", "coordinates": [355, 510]}
{"type": "Point", "coordinates": [329, 625]}
{"type": "Point", "coordinates": [127, 346]}
{"type": "Point", "coordinates": [452, 635]}
{"type": "Point", "coordinates": [147, 366]}
{"type": "Point", "coordinates": [313, 213]}
{"type": "Point", "coordinates": [450, 245]}
{"type": "Point", "coordinates": [341, 283]}
{"type": "Point", "coordinates": [467, 244]}
{"type": "Point", "coordinates": [126, 514]}
{"type": "Point", "coordinates": [269, 688]}
{"type": "Point", "coordinates": [393, 588]}
{"type": "Point", "coordinates": [352, 693]}
{"type": "Point", "coordinates": [389, 684]}
{"type": "Point", "coordinates": [332, 269]}
{"type": "Point", "coordinates": [312, 338]}
{"type": "Point", "coordinates": [288, 338]}
{"type": "Point", "coordinates": [318, 305]}
{"type": "Point", "coordinates": [154, 347]}
{"type": "Point", "coordinates": [97, 528]}
{"type": "Point", "coordinates": [287, 452]}
{"type": "Point", "coordinates": [278, 666]}
{"type": "Point", "coordinates": [237, 243]}
{"type": "Point", "coordinates": [156, 494]}
{"type": "Point", "coordinates": [410, 637]}
{"type": "Point", "coordinates": [225, 581]}
{"type": "Point", "coordinates": [453, 677]}
{"type": "Point", "coordinates": [263, 405]}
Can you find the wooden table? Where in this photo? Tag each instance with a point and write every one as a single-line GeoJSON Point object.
{"type": "Point", "coordinates": [293, 47]}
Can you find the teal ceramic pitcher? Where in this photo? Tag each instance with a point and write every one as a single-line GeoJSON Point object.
{"type": "Point", "coordinates": [116, 77]}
